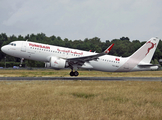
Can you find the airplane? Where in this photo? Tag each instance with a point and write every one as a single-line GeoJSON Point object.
{"type": "Point", "coordinates": [57, 57]}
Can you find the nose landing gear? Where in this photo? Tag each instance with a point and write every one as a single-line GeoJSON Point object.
{"type": "Point", "coordinates": [22, 59]}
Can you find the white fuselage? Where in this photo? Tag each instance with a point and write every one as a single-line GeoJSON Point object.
{"type": "Point", "coordinates": [43, 52]}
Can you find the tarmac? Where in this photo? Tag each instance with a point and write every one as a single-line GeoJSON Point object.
{"type": "Point", "coordinates": [86, 78]}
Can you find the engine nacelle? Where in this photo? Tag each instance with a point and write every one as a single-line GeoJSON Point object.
{"type": "Point", "coordinates": [56, 63]}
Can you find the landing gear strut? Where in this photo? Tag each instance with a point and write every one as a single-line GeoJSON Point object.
{"type": "Point", "coordinates": [74, 73]}
{"type": "Point", "coordinates": [22, 59]}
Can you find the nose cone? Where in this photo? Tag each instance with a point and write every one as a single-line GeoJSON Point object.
{"type": "Point", "coordinates": [3, 49]}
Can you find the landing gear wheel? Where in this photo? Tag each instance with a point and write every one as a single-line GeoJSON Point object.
{"type": "Point", "coordinates": [74, 73]}
{"type": "Point", "coordinates": [71, 73]}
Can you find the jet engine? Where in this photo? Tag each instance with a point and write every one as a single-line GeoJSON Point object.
{"type": "Point", "coordinates": [56, 63]}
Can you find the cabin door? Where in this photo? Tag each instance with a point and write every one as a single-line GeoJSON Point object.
{"type": "Point", "coordinates": [23, 47]}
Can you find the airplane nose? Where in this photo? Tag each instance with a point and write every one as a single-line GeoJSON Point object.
{"type": "Point", "coordinates": [3, 49]}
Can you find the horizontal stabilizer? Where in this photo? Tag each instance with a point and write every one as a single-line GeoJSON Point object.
{"type": "Point", "coordinates": [147, 65]}
{"type": "Point", "coordinates": [150, 66]}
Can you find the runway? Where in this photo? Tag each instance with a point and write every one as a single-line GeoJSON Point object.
{"type": "Point", "coordinates": [86, 78]}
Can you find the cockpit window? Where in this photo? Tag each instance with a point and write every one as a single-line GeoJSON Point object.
{"type": "Point", "coordinates": [12, 44]}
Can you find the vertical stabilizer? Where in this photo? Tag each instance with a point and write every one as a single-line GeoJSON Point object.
{"type": "Point", "coordinates": [146, 52]}
{"type": "Point", "coordinates": [142, 56]}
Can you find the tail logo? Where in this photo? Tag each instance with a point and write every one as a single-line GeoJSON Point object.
{"type": "Point", "coordinates": [150, 47]}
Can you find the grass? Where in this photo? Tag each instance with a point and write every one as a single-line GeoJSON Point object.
{"type": "Point", "coordinates": [82, 73]}
{"type": "Point", "coordinates": [80, 100]}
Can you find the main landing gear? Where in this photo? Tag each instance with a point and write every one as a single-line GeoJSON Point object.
{"type": "Point", "coordinates": [74, 73]}
{"type": "Point", "coordinates": [74, 68]}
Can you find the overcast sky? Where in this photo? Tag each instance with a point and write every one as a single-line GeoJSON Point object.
{"type": "Point", "coordinates": [80, 19]}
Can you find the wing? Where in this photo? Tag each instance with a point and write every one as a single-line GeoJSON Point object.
{"type": "Point", "coordinates": [81, 60]}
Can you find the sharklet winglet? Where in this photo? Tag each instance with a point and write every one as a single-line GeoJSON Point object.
{"type": "Point", "coordinates": [109, 48]}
